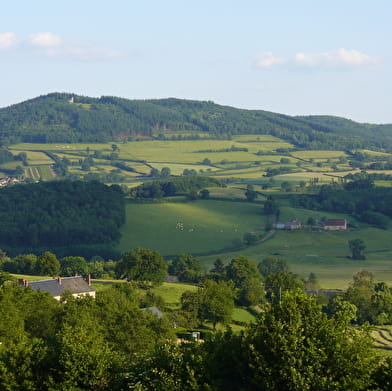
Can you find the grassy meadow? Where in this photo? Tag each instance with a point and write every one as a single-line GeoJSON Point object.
{"type": "Point", "coordinates": [192, 227]}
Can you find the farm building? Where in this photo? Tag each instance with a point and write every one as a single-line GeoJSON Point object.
{"type": "Point", "coordinates": [335, 225]}
{"type": "Point", "coordinates": [288, 225]}
{"type": "Point", "coordinates": [77, 285]}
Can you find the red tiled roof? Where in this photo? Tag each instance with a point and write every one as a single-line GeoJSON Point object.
{"type": "Point", "coordinates": [339, 222]}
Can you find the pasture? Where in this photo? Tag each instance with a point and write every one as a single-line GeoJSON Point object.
{"type": "Point", "coordinates": [382, 337]}
{"type": "Point", "coordinates": [307, 155]}
{"type": "Point", "coordinates": [178, 168]}
{"type": "Point", "coordinates": [244, 157]}
{"type": "Point", "coordinates": [34, 157]}
{"type": "Point", "coordinates": [201, 226]}
{"type": "Point", "coordinates": [324, 253]}
{"type": "Point", "coordinates": [171, 293]}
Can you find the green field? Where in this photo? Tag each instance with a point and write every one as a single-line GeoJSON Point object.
{"type": "Point", "coordinates": [193, 227]}
{"type": "Point", "coordinates": [382, 336]}
{"type": "Point", "coordinates": [178, 168]}
{"type": "Point", "coordinates": [179, 155]}
{"type": "Point", "coordinates": [325, 254]}
{"type": "Point", "coordinates": [242, 315]}
{"type": "Point", "coordinates": [216, 226]}
{"type": "Point", "coordinates": [34, 157]}
{"type": "Point", "coordinates": [171, 292]}
{"type": "Point", "coordinates": [319, 154]}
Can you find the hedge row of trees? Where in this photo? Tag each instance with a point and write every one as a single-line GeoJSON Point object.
{"type": "Point", "coordinates": [47, 264]}
{"type": "Point", "coordinates": [177, 185]}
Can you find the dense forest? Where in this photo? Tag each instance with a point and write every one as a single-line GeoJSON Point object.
{"type": "Point", "coordinates": [53, 118]}
{"type": "Point", "coordinates": [51, 215]}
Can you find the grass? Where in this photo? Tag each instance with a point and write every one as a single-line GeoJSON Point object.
{"type": "Point", "coordinates": [45, 173]}
{"type": "Point", "coordinates": [34, 157]}
{"type": "Point", "coordinates": [188, 154]}
{"type": "Point", "coordinates": [242, 315]}
{"type": "Point", "coordinates": [206, 225]}
{"type": "Point", "coordinates": [171, 292]}
{"type": "Point", "coordinates": [11, 165]}
{"type": "Point", "coordinates": [258, 137]}
{"type": "Point", "coordinates": [31, 278]}
{"type": "Point", "coordinates": [178, 168]}
{"type": "Point", "coordinates": [382, 336]}
{"type": "Point", "coordinates": [228, 193]}
{"type": "Point", "coordinates": [375, 153]}
{"type": "Point", "coordinates": [246, 173]}
{"type": "Point", "coordinates": [32, 172]}
{"type": "Point", "coordinates": [318, 154]}
{"type": "Point", "coordinates": [325, 254]}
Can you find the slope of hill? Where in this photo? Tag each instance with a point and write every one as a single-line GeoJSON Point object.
{"type": "Point", "coordinates": [57, 118]}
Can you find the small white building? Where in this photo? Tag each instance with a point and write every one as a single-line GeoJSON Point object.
{"type": "Point", "coordinates": [288, 225]}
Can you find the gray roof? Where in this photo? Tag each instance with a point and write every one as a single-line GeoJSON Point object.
{"type": "Point", "coordinates": [73, 284]}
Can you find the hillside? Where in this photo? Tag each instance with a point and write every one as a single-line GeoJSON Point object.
{"type": "Point", "coordinates": [53, 118]}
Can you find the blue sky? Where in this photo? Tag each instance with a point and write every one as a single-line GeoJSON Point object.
{"type": "Point", "coordinates": [293, 57]}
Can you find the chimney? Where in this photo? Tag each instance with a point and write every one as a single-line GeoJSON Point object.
{"type": "Point", "coordinates": [88, 279]}
{"type": "Point", "coordinates": [58, 280]}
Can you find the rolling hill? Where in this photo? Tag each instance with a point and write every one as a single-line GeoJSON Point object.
{"type": "Point", "coordinates": [65, 117]}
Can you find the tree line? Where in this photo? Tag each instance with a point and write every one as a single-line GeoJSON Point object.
{"type": "Point", "coordinates": [52, 215]}
{"type": "Point", "coordinates": [188, 184]}
{"type": "Point", "coordinates": [358, 197]}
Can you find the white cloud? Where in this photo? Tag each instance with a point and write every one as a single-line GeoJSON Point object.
{"type": "Point", "coordinates": [268, 60]}
{"type": "Point", "coordinates": [50, 45]}
{"type": "Point", "coordinates": [7, 40]}
{"type": "Point", "coordinates": [53, 46]}
{"type": "Point", "coordinates": [341, 58]}
{"type": "Point", "coordinates": [44, 40]}
{"type": "Point", "coordinates": [335, 59]}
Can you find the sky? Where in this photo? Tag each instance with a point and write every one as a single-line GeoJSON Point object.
{"type": "Point", "coordinates": [303, 57]}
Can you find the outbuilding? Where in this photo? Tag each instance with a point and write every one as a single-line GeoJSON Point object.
{"type": "Point", "coordinates": [335, 225]}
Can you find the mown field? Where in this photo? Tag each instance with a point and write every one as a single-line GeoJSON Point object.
{"type": "Point", "coordinates": [382, 336]}
{"type": "Point", "coordinates": [191, 227]}
{"type": "Point", "coordinates": [245, 157]}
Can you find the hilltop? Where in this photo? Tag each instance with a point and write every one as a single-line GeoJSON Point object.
{"type": "Point", "coordinates": [66, 117]}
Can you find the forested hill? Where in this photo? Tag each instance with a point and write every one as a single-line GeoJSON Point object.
{"type": "Point", "coordinates": [53, 118]}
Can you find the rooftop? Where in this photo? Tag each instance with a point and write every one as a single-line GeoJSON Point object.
{"type": "Point", "coordinates": [57, 286]}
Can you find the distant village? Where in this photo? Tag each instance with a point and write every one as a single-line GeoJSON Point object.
{"type": "Point", "coordinates": [5, 181]}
